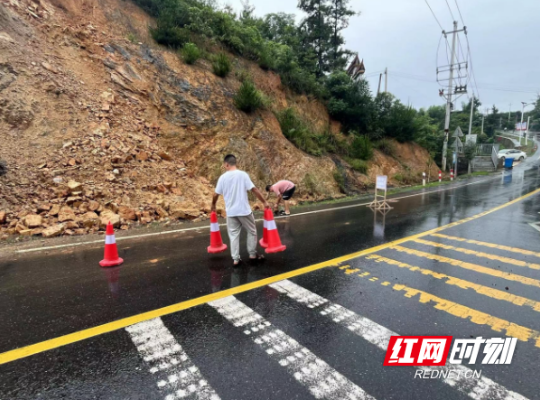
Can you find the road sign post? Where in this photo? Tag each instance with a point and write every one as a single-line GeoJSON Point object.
{"type": "Point", "coordinates": [380, 203]}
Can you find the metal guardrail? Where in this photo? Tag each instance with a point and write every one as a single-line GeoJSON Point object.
{"type": "Point", "coordinates": [486, 149]}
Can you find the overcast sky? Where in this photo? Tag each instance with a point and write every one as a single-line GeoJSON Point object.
{"type": "Point", "coordinates": [403, 36]}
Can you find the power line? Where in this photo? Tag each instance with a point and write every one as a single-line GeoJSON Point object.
{"type": "Point", "coordinates": [434, 16]}
{"type": "Point", "coordinates": [459, 11]}
{"type": "Point", "coordinates": [449, 9]}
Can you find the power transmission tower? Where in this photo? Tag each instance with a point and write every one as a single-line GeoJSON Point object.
{"type": "Point", "coordinates": [451, 89]}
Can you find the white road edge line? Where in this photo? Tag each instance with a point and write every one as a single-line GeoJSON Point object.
{"type": "Point", "coordinates": [317, 376]}
{"type": "Point", "coordinates": [479, 389]}
{"type": "Point", "coordinates": [176, 375]}
{"type": "Point", "coordinates": [258, 220]}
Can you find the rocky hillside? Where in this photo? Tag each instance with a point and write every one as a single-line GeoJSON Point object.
{"type": "Point", "coordinates": [97, 123]}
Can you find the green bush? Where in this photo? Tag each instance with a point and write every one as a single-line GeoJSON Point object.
{"type": "Point", "coordinates": [358, 165]}
{"type": "Point", "coordinates": [191, 53]}
{"type": "Point", "coordinates": [221, 65]}
{"type": "Point", "coordinates": [298, 132]}
{"type": "Point", "coordinates": [386, 146]}
{"type": "Point", "coordinates": [248, 98]}
{"type": "Point", "coordinates": [169, 35]}
{"type": "Point", "coordinates": [340, 179]}
{"type": "Point", "coordinates": [362, 148]}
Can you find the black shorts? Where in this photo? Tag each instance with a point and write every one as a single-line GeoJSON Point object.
{"type": "Point", "coordinates": [287, 194]}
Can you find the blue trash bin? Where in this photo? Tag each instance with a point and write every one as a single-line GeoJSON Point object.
{"type": "Point", "coordinates": [508, 163]}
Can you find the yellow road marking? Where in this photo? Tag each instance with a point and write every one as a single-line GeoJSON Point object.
{"type": "Point", "coordinates": [463, 284]}
{"type": "Point", "coordinates": [50, 344]}
{"type": "Point", "coordinates": [364, 274]}
{"type": "Point", "coordinates": [480, 254]}
{"type": "Point", "coordinates": [487, 244]}
{"type": "Point", "coordinates": [497, 324]}
{"type": "Point", "coordinates": [386, 283]}
{"type": "Point", "coordinates": [473, 267]}
{"type": "Point", "coordinates": [351, 271]}
{"type": "Point", "coordinates": [374, 279]}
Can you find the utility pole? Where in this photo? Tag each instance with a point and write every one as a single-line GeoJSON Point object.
{"type": "Point", "coordinates": [509, 112]}
{"type": "Point", "coordinates": [386, 80]}
{"type": "Point", "coordinates": [528, 124]}
{"type": "Point", "coordinates": [521, 125]}
{"type": "Point", "coordinates": [482, 124]}
{"type": "Point", "coordinates": [472, 113]}
{"type": "Point", "coordinates": [379, 88]}
{"type": "Point", "coordinates": [449, 93]}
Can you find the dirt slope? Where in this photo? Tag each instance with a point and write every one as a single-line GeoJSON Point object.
{"type": "Point", "coordinates": [96, 127]}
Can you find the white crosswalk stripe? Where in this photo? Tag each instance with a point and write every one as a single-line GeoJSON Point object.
{"type": "Point", "coordinates": [321, 380]}
{"type": "Point", "coordinates": [477, 388]}
{"type": "Point", "coordinates": [176, 375]}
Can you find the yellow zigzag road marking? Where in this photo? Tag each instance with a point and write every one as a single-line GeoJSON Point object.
{"type": "Point", "coordinates": [480, 254]}
{"type": "Point", "coordinates": [473, 267]}
{"type": "Point", "coordinates": [463, 284]}
{"type": "Point", "coordinates": [497, 324]}
{"type": "Point", "coordinates": [50, 344]}
{"type": "Point", "coordinates": [486, 244]}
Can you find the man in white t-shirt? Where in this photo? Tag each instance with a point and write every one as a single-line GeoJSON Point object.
{"type": "Point", "coordinates": [234, 186]}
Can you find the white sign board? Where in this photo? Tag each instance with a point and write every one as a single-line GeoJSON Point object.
{"type": "Point", "coordinates": [381, 182]}
{"type": "Point", "coordinates": [471, 139]}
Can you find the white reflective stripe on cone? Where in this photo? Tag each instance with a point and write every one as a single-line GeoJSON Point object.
{"type": "Point", "coordinates": [110, 239]}
{"type": "Point", "coordinates": [214, 227]}
{"type": "Point", "coordinates": [265, 224]}
{"type": "Point", "coordinates": [271, 225]}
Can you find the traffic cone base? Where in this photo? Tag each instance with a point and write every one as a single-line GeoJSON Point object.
{"type": "Point", "coordinates": [215, 250]}
{"type": "Point", "coordinates": [111, 263]}
{"type": "Point", "coordinates": [274, 242]}
{"type": "Point", "coordinates": [110, 258]}
{"type": "Point", "coordinates": [216, 243]}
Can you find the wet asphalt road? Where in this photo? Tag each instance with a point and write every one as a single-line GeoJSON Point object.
{"type": "Point", "coordinates": [473, 279]}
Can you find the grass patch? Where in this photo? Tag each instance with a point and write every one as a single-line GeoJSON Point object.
{"type": "Point", "coordinates": [358, 165]}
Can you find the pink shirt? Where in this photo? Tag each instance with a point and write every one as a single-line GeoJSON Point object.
{"type": "Point", "coordinates": [282, 186]}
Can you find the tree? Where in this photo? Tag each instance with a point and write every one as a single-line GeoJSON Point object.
{"type": "Point", "coordinates": [470, 153]}
{"type": "Point", "coordinates": [340, 12]}
{"type": "Point", "coordinates": [316, 31]}
{"type": "Point", "coordinates": [351, 103]}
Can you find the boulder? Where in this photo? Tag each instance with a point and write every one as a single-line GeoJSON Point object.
{"type": "Point", "coordinates": [2, 217]}
{"type": "Point", "coordinates": [74, 186]}
{"type": "Point", "coordinates": [33, 221]}
{"type": "Point", "coordinates": [142, 156]}
{"type": "Point", "coordinates": [165, 156]}
{"type": "Point", "coordinates": [181, 211]}
{"type": "Point", "coordinates": [90, 219]}
{"type": "Point", "coordinates": [53, 231]}
{"type": "Point", "coordinates": [44, 207]}
{"type": "Point", "coordinates": [109, 216]}
{"type": "Point", "coordinates": [55, 209]}
{"type": "Point", "coordinates": [66, 214]}
{"type": "Point", "coordinates": [127, 213]}
{"type": "Point", "coordinates": [93, 205]}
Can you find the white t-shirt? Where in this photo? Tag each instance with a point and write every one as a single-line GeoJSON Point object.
{"type": "Point", "coordinates": [233, 186]}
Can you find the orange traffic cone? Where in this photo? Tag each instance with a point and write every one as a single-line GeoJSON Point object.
{"type": "Point", "coordinates": [274, 242]}
{"type": "Point", "coordinates": [111, 251]}
{"type": "Point", "coordinates": [264, 241]}
{"type": "Point", "coordinates": [216, 243]}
